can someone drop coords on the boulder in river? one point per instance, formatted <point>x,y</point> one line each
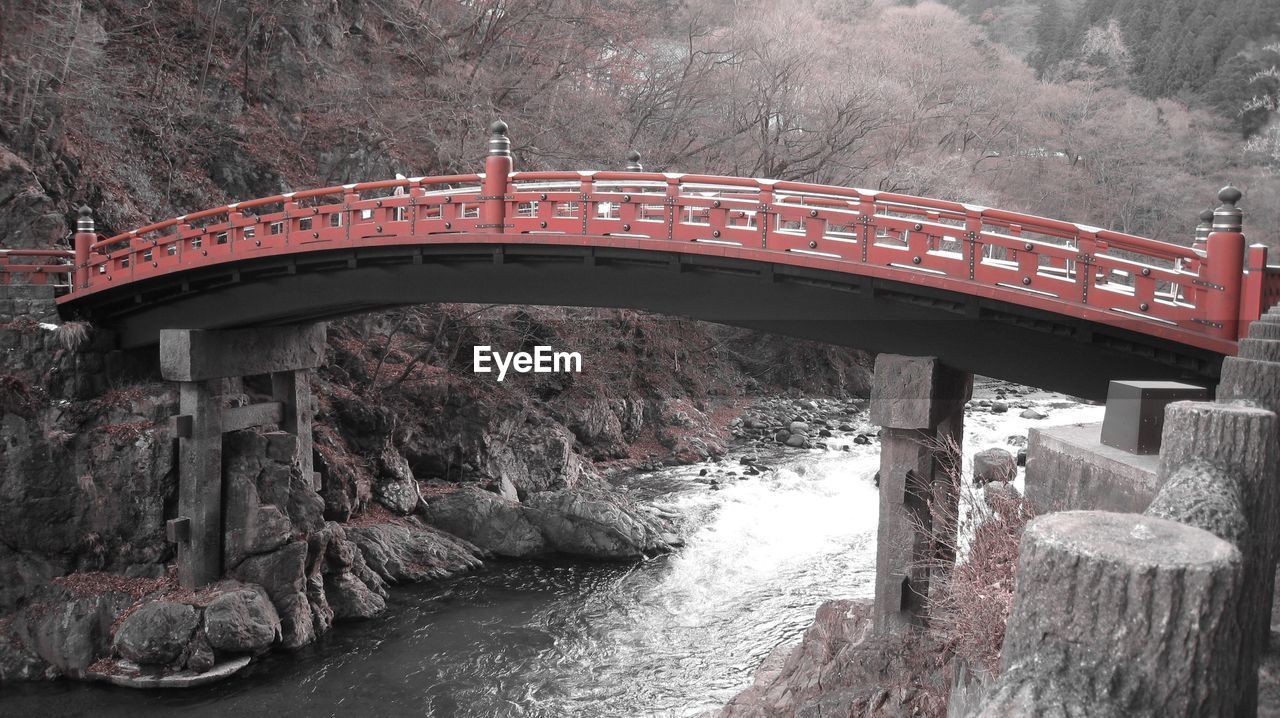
<point>1030,413</point>
<point>411,551</point>
<point>994,464</point>
<point>157,634</point>
<point>598,524</point>
<point>487,520</point>
<point>999,407</point>
<point>242,620</point>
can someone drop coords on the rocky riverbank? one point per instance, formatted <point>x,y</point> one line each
<point>841,667</point>
<point>425,472</point>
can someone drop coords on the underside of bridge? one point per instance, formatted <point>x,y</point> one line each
<point>969,333</point>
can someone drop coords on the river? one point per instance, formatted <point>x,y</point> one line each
<point>677,635</point>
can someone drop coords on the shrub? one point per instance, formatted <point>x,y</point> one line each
<point>73,336</point>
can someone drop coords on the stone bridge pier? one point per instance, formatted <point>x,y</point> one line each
<point>919,403</point>
<point>201,361</point>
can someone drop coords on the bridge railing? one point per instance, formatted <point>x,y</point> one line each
<point>36,266</point>
<point>1199,297</point>
<point>1040,260</point>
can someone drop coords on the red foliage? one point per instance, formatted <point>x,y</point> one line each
<point>125,432</point>
<point>376,515</point>
<point>94,583</point>
<point>970,612</point>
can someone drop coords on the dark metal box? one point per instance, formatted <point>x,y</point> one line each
<point>1135,412</point>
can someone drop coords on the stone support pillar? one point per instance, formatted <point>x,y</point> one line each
<point>201,361</point>
<point>920,405</point>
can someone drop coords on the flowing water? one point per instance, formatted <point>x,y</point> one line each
<point>677,635</point>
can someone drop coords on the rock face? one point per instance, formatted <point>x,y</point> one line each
<point>28,216</point>
<point>82,486</point>
<point>159,633</point>
<point>992,465</point>
<point>487,520</point>
<point>598,525</point>
<point>352,590</point>
<point>266,500</point>
<point>242,621</point>
<point>282,574</point>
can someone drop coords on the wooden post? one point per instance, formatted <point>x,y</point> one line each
<point>200,485</point>
<point>1117,614</point>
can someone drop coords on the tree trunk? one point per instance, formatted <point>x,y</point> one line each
<point>1241,442</point>
<point>1118,614</point>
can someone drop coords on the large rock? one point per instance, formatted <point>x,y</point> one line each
<point>17,661</point>
<point>242,620</point>
<point>282,574</point>
<point>992,465</point>
<point>841,667</point>
<point>68,633</point>
<point>350,598</point>
<point>346,485</point>
<point>598,524</point>
<point>159,633</point>
<point>410,551</point>
<point>597,424</point>
<point>493,523</point>
<point>400,497</point>
<point>341,585</point>
<point>257,475</point>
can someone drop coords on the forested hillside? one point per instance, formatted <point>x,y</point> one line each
<point>145,110</point>
<point>1221,55</point>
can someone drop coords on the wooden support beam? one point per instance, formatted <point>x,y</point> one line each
<point>251,415</point>
<point>198,355</point>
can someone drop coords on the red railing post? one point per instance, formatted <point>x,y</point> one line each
<point>1251,295</point>
<point>1202,231</point>
<point>1224,267</point>
<point>497,171</point>
<point>85,235</point>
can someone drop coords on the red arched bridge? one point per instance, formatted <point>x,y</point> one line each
<point>1046,302</point>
